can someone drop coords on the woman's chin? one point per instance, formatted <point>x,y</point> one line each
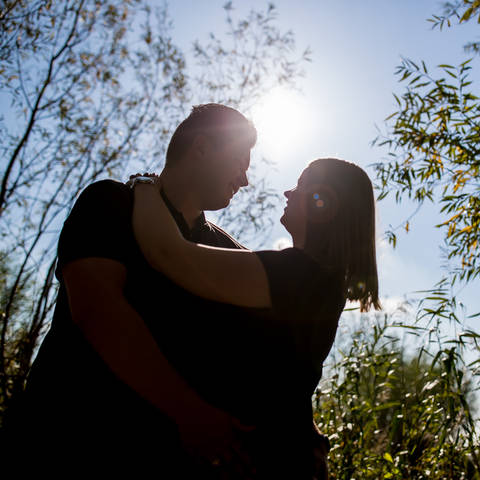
<point>283,221</point>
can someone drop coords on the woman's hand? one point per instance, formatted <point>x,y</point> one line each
<point>131,179</point>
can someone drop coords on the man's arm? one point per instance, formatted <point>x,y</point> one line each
<point>119,335</point>
<point>115,330</point>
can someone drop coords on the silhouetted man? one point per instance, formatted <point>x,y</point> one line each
<point>115,386</point>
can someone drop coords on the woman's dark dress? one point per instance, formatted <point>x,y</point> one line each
<point>276,361</point>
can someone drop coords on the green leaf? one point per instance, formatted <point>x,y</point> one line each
<point>467,14</point>
<point>385,406</point>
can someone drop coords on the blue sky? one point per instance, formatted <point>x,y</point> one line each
<point>347,92</point>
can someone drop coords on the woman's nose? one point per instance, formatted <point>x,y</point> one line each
<point>287,193</point>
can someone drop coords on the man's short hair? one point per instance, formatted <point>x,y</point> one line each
<point>219,122</point>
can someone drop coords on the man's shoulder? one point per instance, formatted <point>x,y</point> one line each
<point>102,203</point>
<point>105,194</point>
<point>99,224</point>
<point>107,187</point>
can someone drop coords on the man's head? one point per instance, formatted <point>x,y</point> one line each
<point>212,146</point>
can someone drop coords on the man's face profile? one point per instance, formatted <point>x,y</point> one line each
<point>224,169</point>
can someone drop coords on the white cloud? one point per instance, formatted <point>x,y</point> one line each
<point>281,243</point>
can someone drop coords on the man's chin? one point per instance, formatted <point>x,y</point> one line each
<point>214,206</point>
<point>225,203</point>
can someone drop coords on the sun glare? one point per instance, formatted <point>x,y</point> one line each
<point>282,119</point>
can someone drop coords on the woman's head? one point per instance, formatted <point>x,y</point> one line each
<point>331,214</point>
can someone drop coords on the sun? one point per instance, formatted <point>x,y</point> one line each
<point>283,119</point>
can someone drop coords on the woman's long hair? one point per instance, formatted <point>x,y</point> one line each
<point>341,225</point>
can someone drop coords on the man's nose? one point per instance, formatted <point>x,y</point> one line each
<point>286,193</point>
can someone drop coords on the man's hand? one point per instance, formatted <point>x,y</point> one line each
<point>212,436</point>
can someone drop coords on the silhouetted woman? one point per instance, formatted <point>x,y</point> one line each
<point>291,300</point>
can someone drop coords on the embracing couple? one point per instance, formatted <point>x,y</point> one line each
<point>175,352</point>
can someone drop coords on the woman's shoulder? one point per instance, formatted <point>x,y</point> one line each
<point>307,298</point>
<point>293,274</point>
<point>296,261</point>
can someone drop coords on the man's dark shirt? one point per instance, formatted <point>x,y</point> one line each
<point>70,389</point>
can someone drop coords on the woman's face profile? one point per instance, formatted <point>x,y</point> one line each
<point>311,202</point>
<point>294,218</point>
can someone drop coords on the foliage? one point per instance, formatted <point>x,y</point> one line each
<point>90,90</point>
<point>393,412</point>
<point>434,142</point>
<point>64,71</point>
<point>459,11</point>
<point>393,407</point>
<point>13,353</point>
<point>433,139</point>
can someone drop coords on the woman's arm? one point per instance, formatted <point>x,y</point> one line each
<point>220,274</point>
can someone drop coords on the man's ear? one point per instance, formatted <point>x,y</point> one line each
<point>200,145</point>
